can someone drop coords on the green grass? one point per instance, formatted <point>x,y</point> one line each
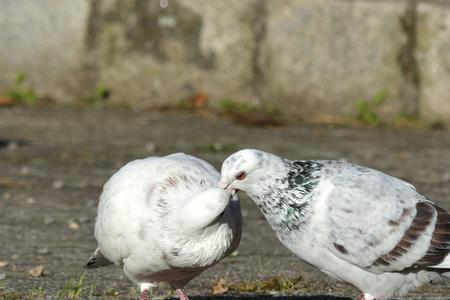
<point>35,293</point>
<point>21,92</point>
<point>228,105</point>
<point>72,289</point>
<point>10,295</point>
<point>367,109</point>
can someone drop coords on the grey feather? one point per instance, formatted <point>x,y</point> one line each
<point>354,223</point>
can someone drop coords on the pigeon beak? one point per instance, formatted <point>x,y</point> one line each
<point>223,185</point>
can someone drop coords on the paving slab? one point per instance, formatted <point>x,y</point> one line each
<point>54,161</point>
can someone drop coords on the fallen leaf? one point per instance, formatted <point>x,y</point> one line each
<point>220,287</point>
<point>3,263</point>
<point>6,101</point>
<point>37,271</point>
<point>74,225</point>
<point>199,100</point>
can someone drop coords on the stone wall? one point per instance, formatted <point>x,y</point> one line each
<point>309,58</point>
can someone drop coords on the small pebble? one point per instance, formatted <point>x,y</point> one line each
<point>31,200</point>
<point>2,276</point>
<point>57,184</point>
<point>6,196</point>
<point>3,263</point>
<point>150,148</point>
<point>49,220</point>
<point>74,225</point>
<point>25,170</point>
<point>15,256</point>
<point>43,251</point>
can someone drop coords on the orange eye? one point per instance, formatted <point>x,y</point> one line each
<point>241,175</point>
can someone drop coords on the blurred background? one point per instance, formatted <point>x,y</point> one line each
<point>311,60</point>
<point>87,85</point>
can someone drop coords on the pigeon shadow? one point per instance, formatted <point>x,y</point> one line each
<point>267,297</point>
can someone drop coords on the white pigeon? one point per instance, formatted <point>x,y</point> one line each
<point>163,219</point>
<point>353,223</point>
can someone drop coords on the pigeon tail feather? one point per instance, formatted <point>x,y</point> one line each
<point>97,260</point>
<point>445,264</point>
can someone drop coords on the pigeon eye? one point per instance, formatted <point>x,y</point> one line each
<point>241,175</point>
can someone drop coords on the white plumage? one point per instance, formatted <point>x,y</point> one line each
<point>164,219</point>
<point>353,223</point>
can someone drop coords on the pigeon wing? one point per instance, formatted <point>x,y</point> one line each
<point>381,223</point>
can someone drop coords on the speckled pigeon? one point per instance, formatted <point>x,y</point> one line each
<point>353,223</point>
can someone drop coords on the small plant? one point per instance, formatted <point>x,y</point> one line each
<point>72,289</point>
<point>100,94</point>
<point>367,110</point>
<point>21,93</point>
<point>229,106</point>
<point>35,294</point>
<point>246,107</point>
<point>272,110</point>
<point>9,295</point>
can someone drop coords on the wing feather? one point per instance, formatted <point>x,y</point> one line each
<point>381,223</point>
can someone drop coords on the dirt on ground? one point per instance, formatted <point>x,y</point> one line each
<point>55,160</point>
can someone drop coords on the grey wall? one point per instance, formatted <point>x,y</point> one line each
<point>310,58</point>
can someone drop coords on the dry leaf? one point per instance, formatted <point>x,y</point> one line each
<point>6,101</point>
<point>199,100</point>
<point>37,271</point>
<point>3,263</point>
<point>74,225</point>
<point>220,287</point>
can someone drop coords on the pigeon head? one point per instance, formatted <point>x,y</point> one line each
<point>246,169</point>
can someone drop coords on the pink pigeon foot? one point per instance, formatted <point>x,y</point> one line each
<point>144,295</point>
<point>182,295</point>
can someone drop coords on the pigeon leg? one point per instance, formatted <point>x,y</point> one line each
<point>144,295</point>
<point>145,290</point>
<point>182,295</point>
